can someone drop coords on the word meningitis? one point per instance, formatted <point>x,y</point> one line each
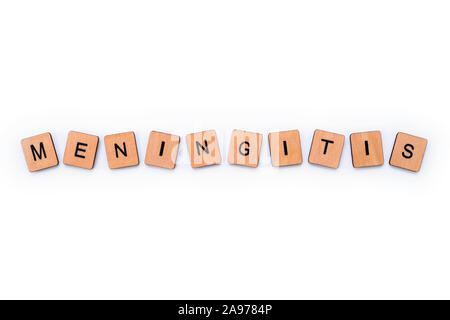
<point>285,149</point>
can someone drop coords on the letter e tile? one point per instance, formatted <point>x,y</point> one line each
<point>81,149</point>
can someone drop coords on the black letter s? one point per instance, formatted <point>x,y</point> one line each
<point>409,152</point>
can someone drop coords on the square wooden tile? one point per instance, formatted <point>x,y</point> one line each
<point>203,148</point>
<point>121,150</point>
<point>162,150</point>
<point>367,149</point>
<point>408,152</point>
<point>81,149</point>
<point>39,152</point>
<point>245,148</point>
<point>285,148</point>
<point>326,149</point>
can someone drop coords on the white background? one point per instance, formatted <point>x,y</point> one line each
<point>105,67</point>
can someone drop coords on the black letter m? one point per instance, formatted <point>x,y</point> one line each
<point>41,151</point>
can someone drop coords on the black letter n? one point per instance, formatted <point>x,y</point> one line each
<point>41,152</point>
<point>204,148</point>
<point>117,148</point>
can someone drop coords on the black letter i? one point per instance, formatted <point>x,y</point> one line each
<point>161,151</point>
<point>285,148</point>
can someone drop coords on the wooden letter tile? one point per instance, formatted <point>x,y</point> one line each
<point>81,149</point>
<point>203,148</point>
<point>367,149</point>
<point>285,148</point>
<point>121,150</point>
<point>162,150</point>
<point>408,152</point>
<point>326,149</point>
<point>39,152</point>
<point>244,148</point>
